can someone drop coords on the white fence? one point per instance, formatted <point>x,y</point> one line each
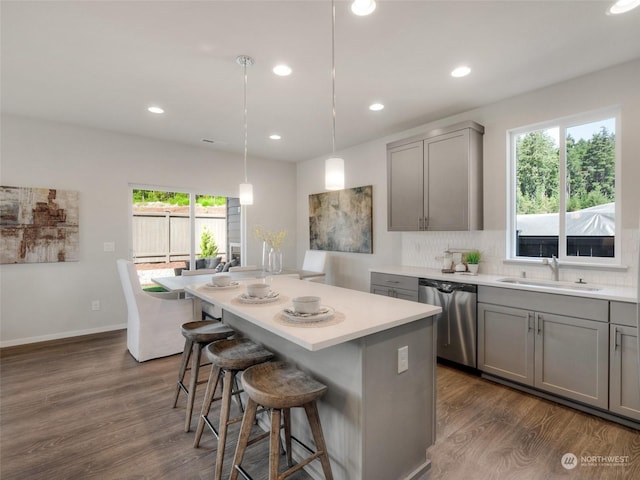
<point>164,236</point>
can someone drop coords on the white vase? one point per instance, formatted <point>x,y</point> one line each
<point>473,268</point>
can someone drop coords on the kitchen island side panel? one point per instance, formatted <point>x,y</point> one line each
<point>399,408</point>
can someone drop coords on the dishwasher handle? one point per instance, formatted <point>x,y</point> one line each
<point>448,287</point>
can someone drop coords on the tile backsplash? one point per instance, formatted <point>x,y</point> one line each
<point>424,249</point>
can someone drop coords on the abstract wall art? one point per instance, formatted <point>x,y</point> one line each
<point>341,221</point>
<point>38,225</point>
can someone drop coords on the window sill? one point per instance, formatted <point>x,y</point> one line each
<point>568,264</point>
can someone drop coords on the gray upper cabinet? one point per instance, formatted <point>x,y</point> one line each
<point>435,180</point>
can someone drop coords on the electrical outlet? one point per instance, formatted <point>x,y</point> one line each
<point>403,359</point>
<point>95,305</point>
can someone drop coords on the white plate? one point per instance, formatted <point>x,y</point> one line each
<point>325,313</point>
<point>246,298</point>
<point>217,287</point>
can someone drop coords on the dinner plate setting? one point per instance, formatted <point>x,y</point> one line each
<point>213,286</point>
<point>270,297</point>
<point>324,313</point>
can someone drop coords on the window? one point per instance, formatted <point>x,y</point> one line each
<point>171,227</point>
<point>567,166</point>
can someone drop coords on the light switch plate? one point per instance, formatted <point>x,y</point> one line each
<point>109,247</point>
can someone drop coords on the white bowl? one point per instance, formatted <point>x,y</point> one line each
<point>221,279</point>
<point>307,304</point>
<point>258,290</point>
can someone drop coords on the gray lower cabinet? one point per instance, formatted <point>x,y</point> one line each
<point>560,354</point>
<point>624,388</point>
<point>624,384</point>
<point>397,286</point>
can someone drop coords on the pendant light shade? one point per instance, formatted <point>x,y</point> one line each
<point>334,173</point>
<point>334,166</point>
<point>246,194</point>
<point>246,189</point>
<point>363,7</point>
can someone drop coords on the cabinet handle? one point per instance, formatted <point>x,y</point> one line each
<point>617,338</point>
<point>393,281</point>
<point>529,321</point>
<point>420,223</point>
<point>426,223</point>
<point>539,320</point>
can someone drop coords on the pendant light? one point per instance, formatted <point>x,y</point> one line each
<point>363,7</point>
<point>246,189</point>
<point>334,166</point>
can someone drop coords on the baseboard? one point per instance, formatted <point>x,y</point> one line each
<point>58,336</point>
<point>607,415</point>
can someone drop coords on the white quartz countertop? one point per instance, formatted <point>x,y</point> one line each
<point>605,292</point>
<point>357,314</point>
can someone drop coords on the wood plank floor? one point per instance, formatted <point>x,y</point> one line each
<point>83,408</point>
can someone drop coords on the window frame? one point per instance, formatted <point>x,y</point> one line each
<point>563,124</point>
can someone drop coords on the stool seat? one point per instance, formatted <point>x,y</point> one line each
<point>280,385</point>
<point>205,331</point>
<point>236,354</point>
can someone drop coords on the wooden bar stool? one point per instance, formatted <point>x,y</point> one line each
<point>196,335</point>
<point>228,357</point>
<point>280,387</point>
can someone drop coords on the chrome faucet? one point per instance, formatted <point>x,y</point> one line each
<point>553,265</point>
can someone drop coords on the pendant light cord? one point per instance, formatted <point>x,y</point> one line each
<point>333,72</point>
<point>245,122</point>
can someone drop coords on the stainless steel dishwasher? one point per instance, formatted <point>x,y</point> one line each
<point>457,324</point>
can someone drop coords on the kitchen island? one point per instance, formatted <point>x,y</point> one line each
<point>378,423</point>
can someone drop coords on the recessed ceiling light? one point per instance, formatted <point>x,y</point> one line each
<point>462,71</point>
<point>376,106</point>
<point>363,7</point>
<point>155,110</point>
<point>622,6</point>
<point>275,136</point>
<point>282,70</point>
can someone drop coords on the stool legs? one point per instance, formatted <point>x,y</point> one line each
<point>313,418</point>
<point>224,421</point>
<point>311,410</point>
<point>243,438</point>
<point>183,368</point>
<point>193,382</point>
<point>212,385</point>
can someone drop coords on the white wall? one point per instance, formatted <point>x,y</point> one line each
<point>366,165</point>
<point>53,300</point>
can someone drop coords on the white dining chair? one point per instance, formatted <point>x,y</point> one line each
<point>154,319</point>
<point>315,261</point>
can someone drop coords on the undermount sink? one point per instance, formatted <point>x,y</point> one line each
<point>542,283</point>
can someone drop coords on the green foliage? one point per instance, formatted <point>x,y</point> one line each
<point>176,198</point>
<point>472,257</point>
<point>590,172</point>
<point>208,245</point>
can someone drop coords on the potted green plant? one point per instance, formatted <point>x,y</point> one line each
<point>472,260</point>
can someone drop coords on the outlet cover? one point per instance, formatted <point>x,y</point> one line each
<point>403,359</point>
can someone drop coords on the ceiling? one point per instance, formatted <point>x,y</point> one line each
<point>102,63</point>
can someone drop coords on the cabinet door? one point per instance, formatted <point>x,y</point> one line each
<point>572,357</point>
<point>405,193</point>
<point>446,180</point>
<point>624,385</point>
<point>505,342</point>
